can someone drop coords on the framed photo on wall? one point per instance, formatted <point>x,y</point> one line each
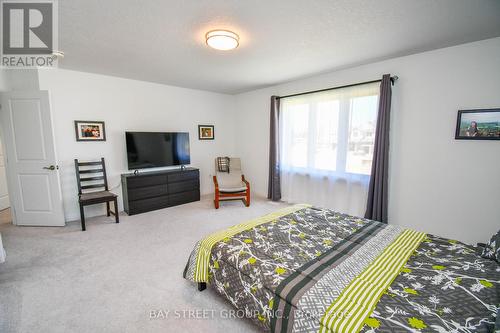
<point>90,130</point>
<point>206,132</point>
<point>479,124</point>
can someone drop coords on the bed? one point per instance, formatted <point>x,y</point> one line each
<point>308,269</point>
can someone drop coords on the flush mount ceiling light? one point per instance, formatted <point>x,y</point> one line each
<point>222,39</point>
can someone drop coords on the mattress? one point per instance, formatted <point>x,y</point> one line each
<point>308,269</point>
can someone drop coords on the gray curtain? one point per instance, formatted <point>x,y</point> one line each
<point>274,185</point>
<point>376,208</point>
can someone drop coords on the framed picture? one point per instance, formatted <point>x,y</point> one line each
<point>206,132</point>
<point>481,124</point>
<point>90,130</point>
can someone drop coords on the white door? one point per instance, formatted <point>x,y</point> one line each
<point>4,193</point>
<point>32,172</point>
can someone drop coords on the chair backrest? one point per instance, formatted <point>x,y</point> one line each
<point>91,176</point>
<point>234,165</point>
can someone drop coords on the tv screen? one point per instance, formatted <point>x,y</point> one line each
<point>156,149</point>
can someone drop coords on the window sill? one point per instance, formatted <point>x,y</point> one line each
<point>326,174</point>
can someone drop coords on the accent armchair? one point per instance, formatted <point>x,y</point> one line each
<point>230,184</point>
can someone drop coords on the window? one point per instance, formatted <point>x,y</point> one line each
<point>331,131</point>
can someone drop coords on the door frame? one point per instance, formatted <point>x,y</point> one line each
<point>5,158</point>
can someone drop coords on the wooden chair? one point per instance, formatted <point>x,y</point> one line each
<point>92,176</point>
<point>231,185</point>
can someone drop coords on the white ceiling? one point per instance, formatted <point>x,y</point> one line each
<point>280,40</point>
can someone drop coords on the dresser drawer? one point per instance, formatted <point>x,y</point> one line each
<point>183,197</point>
<point>145,205</point>
<point>188,185</point>
<point>142,181</point>
<point>184,175</point>
<point>147,192</point>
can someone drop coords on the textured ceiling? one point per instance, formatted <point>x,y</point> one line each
<point>163,41</point>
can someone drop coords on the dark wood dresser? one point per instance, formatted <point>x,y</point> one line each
<point>159,189</point>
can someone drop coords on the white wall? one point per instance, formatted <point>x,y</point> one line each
<point>131,105</point>
<point>18,79</point>
<point>437,184</point>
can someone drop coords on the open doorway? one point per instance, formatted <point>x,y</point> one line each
<point>5,213</point>
<point>5,216</point>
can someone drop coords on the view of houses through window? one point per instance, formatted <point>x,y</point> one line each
<point>331,131</point>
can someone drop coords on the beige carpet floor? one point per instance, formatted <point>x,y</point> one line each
<point>110,278</point>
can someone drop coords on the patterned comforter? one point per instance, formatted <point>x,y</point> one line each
<point>306,269</point>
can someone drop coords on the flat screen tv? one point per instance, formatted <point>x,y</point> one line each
<point>157,149</point>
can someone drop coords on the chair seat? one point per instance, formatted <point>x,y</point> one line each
<point>233,189</point>
<point>97,196</point>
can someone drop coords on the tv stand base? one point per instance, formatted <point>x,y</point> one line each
<point>149,191</point>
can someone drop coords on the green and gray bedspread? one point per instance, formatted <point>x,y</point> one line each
<point>306,269</point>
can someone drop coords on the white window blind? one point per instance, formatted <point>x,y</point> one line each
<point>330,131</point>
<point>329,137</point>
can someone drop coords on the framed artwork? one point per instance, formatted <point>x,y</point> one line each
<point>90,130</point>
<point>206,132</point>
<point>480,124</point>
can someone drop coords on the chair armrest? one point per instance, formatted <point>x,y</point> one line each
<point>216,183</point>
<point>245,181</point>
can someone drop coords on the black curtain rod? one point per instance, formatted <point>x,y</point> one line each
<point>393,79</point>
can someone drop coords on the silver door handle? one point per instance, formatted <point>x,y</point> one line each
<point>51,167</point>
